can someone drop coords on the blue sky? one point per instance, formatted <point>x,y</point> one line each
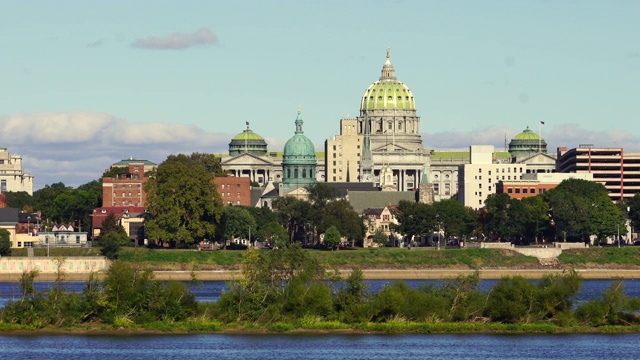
<point>87,83</point>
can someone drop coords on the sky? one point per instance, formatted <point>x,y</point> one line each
<point>85,83</point>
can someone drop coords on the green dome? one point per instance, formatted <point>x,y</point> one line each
<point>527,135</point>
<point>526,144</point>
<point>298,160</point>
<point>247,142</point>
<point>247,135</point>
<point>388,92</point>
<point>299,149</point>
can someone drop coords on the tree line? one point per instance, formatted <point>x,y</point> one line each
<point>184,208</point>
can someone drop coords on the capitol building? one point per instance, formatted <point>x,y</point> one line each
<point>381,147</point>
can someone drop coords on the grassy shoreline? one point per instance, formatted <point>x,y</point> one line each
<point>317,328</point>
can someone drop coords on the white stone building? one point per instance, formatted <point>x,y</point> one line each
<point>12,175</point>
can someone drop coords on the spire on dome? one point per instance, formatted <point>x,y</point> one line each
<point>299,122</point>
<point>388,73</point>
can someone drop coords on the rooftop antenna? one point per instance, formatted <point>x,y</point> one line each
<point>246,135</point>
<point>540,137</point>
<point>505,141</point>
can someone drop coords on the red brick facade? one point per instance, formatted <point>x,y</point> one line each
<point>234,190</point>
<point>125,190</point>
<point>521,189</point>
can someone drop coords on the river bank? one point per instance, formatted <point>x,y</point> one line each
<point>369,274</point>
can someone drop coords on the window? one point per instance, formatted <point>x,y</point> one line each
<point>509,190</point>
<point>3,186</point>
<point>533,190</point>
<point>447,189</point>
<point>334,155</point>
<point>479,186</point>
<point>238,194</point>
<point>489,180</point>
<point>77,239</point>
<point>385,217</point>
<point>390,126</point>
<point>238,186</point>
<point>228,194</point>
<point>136,168</point>
<point>525,190</point>
<point>517,190</point>
<point>489,172</point>
<point>480,170</point>
<point>436,189</point>
<point>489,188</point>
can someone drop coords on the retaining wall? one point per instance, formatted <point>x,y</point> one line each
<point>71,265</point>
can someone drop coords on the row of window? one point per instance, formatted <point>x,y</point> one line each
<point>515,170</point>
<point>229,186</point>
<point>124,203</point>
<point>228,194</point>
<point>523,190</point>
<point>125,186</point>
<point>124,194</point>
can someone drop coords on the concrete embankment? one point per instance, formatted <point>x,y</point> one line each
<point>378,274</point>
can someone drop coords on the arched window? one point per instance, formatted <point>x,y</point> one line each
<point>295,173</point>
<point>304,173</point>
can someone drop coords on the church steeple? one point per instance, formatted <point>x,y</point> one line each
<point>366,159</point>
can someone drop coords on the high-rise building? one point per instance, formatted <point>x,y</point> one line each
<point>617,170</point>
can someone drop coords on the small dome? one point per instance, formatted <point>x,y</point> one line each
<point>526,144</point>
<point>247,135</point>
<point>527,135</point>
<point>247,142</point>
<point>299,149</point>
<point>388,92</point>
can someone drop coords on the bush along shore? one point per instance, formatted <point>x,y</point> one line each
<point>287,289</point>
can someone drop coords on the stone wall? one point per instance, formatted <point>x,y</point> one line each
<point>72,264</point>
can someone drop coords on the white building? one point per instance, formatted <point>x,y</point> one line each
<point>12,176</point>
<point>478,179</point>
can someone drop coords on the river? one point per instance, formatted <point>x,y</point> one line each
<point>319,346</point>
<point>295,347</point>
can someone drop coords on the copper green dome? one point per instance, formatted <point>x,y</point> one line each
<point>388,92</point>
<point>526,144</point>
<point>299,159</point>
<point>527,135</point>
<point>299,149</point>
<point>247,142</point>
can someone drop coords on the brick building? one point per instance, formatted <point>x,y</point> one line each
<point>234,190</point>
<point>534,184</point>
<point>124,184</point>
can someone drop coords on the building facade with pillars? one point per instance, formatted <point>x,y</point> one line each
<point>12,175</point>
<point>385,135</point>
<point>248,156</point>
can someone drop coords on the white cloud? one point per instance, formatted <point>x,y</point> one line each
<point>77,147</point>
<point>177,41</point>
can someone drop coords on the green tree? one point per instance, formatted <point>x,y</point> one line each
<point>519,219</point>
<point>380,237</point>
<point>495,220</point>
<point>295,215</point>
<point>110,245</point>
<point>332,238</point>
<point>340,214</point>
<point>454,218</point>
<point>538,217</point>
<point>237,222</point>
<point>19,200</point>
<point>634,211</point>
<point>415,219</point>
<point>5,242</point>
<point>583,208</point>
<point>183,206</point>
<point>272,233</point>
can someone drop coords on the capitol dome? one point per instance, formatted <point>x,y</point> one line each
<point>247,142</point>
<point>299,158</point>
<point>388,92</point>
<point>526,144</point>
